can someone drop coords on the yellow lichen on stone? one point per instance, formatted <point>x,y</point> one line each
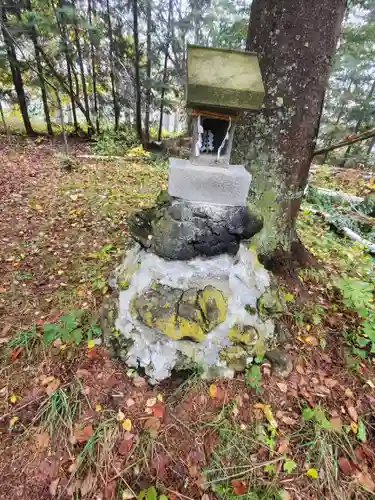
<point>247,335</point>
<point>182,328</point>
<point>213,305</point>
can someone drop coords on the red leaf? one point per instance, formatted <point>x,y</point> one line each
<point>346,466</point>
<point>239,487</point>
<point>109,491</point>
<point>158,410</point>
<point>93,353</point>
<point>83,435</point>
<point>126,445</point>
<point>15,353</point>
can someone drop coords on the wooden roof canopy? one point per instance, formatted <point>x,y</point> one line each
<point>223,80</point>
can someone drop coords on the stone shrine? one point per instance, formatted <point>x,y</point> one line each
<point>192,292</point>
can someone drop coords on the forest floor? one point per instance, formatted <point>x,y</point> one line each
<point>76,424</point>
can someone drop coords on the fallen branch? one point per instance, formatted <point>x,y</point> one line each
<point>340,194</point>
<point>351,140</point>
<point>110,158</point>
<point>349,233</point>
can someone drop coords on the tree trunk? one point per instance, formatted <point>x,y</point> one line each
<point>3,118</point>
<point>91,9</point>
<point>43,89</point>
<point>165,73</point>
<point>148,73</point>
<point>16,72</point>
<point>138,114</point>
<point>116,107</point>
<point>82,72</point>
<point>295,41</point>
<point>68,60</point>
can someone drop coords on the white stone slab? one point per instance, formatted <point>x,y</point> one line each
<point>222,185</point>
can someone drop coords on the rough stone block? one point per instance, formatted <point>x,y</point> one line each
<point>224,185</point>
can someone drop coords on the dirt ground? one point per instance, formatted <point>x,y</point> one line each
<point>76,424</point>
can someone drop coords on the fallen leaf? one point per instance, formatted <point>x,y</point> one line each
<point>283,387</point>
<point>47,380</point>
<point>289,421</point>
<point>284,495</point>
<point>312,340</point>
<point>330,382</point>
<point>267,413</point>
<point>4,340</point>
<point>98,407</point>
<point>150,402</point>
<point>152,424</point>
<point>53,386</point>
<point>109,491</point>
<point>349,393</point>
<point>160,397</point>
<point>88,484</point>
<point>15,353</point>
<point>93,353</point>
<point>127,424</point>
<point>126,444</point>
<point>335,424</point>
<point>13,398</point>
<point>346,466</point>
<point>139,381</point>
<point>239,487</point>
<point>12,421</point>
<point>158,410</point>
<point>313,473</point>
<point>212,391</point>
<point>127,495</point>
<point>42,440</point>
<point>53,487</point>
<point>83,435</point>
<point>283,446</point>
<point>365,480</point>
<point>300,369</point>
<point>130,402</point>
<point>90,344</point>
<point>120,416</point>
<point>205,497</point>
<point>354,427</point>
<point>352,413</point>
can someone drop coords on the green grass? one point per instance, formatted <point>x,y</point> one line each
<point>25,340</point>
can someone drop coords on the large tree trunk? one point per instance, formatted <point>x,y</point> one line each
<point>295,41</point>
<point>16,72</point>
<point>165,71</point>
<point>148,73</point>
<point>138,114</point>
<point>43,89</point>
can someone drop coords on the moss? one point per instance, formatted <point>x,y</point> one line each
<point>235,357</point>
<point>250,309</point>
<point>123,285</point>
<point>246,335</point>
<point>271,303</point>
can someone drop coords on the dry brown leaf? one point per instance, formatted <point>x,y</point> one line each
<point>126,444</point>
<point>42,440</point>
<point>311,340</point>
<point>158,410</point>
<point>352,413</point>
<point>53,386</point>
<point>152,424</point>
<point>4,340</point>
<point>336,424</point>
<point>130,402</point>
<point>88,484</point>
<point>300,369</point>
<point>322,389</point>
<point>139,381</point>
<point>330,382</point>
<point>53,487</point>
<point>283,387</point>
<point>365,480</point>
<point>151,402</point>
<point>83,435</point>
<point>46,380</point>
<point>346,466</point>
<point>283,446</point>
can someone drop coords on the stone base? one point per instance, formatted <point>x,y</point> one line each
<point>205,312</point>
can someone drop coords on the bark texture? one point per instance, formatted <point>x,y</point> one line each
<point>295,41</point>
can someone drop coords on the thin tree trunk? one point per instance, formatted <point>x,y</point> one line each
<point>148,72</point>
<point>116,107</point>
<point>138,115</point>
<point>360,121</point>
<point>16,72</point>
<point>370,146</point>
<point>3,118</point>
<point>34,38</point>
<point>165,69</point>
<point>277,143</point>
<point>82,71</point>
<point>68,60</point>
<point>91,8</point>
<point>62,124</point>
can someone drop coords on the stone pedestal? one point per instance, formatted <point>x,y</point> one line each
<point>205,312</point>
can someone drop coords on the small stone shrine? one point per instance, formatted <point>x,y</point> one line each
<point>191,292</point>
